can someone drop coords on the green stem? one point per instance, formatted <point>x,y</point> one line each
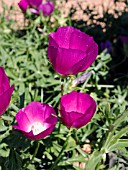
<point>62,151</point>
<point>36,150</point>
<point>5,134</point>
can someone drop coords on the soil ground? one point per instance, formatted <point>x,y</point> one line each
<point>100,5</point>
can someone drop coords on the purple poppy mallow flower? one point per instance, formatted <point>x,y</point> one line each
<point>124,39</point>
<point>36,120</point>
<point>76,109</point>
<point>5,91</point>
<point>46,8</point>
<point>36,6</point>
<point>23,4</point>
<point>71,51</point>
<point>106,45</point>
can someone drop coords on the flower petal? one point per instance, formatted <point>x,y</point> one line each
<point>4,81</point>
<point>84,63</point>
<point>47,8</point>
<point>23,122</point>
<point>34,3</point>
<point>65,59</point>
<point>76,109</point>
<point>5,99</point>
<point>23,4</point>
<point>80,41</point>
<point>85,118</point>
<point>38,112</point>
<point>62,36</point>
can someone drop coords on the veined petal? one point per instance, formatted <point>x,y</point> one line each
<point>23,122</point>
<point>62,36</point>
<point>65,59</point>
<point>77,109</point>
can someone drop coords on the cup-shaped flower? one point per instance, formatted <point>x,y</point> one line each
<point>5,91</point>
<point>36,120</point>
<point>71,51</point>
<point>76,109</point>
<point>23,4</point>
<point>46,8</point>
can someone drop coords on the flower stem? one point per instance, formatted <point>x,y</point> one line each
<point>62,151</point>
<point>36,150</point>
<point>62,87</point>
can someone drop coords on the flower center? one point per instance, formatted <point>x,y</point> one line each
<point>37,128</point>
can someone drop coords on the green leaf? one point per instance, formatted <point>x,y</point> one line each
<point>14,161</point>
<point>121,143</point>
<point>94,159</point>
<point>111,139</point>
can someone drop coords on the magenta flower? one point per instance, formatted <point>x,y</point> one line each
<point>47,8</point>
<point>71,51</point>
<point>23,4</point>
<point>36,120</point>
<point>5,91</point>
<point>36,6</point>
<point>76,109</point>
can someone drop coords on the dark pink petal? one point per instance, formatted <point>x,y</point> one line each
<point>23,4</point>
<point>76,109</point>
<point>65,59</point>
<point>80,41</point>
<point>37,112</point>
<point>62,36</point>
<point>68,118</point>
<point>85,118</point>
<point>23,122</point>
<point>34,3</point>
<point>53,55</point>
<point>75,101</point>
<point>52,42</point>
<point>4,81</point>
<point>5,98</point>
<point>85,62</point>
<point>46,8</point>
